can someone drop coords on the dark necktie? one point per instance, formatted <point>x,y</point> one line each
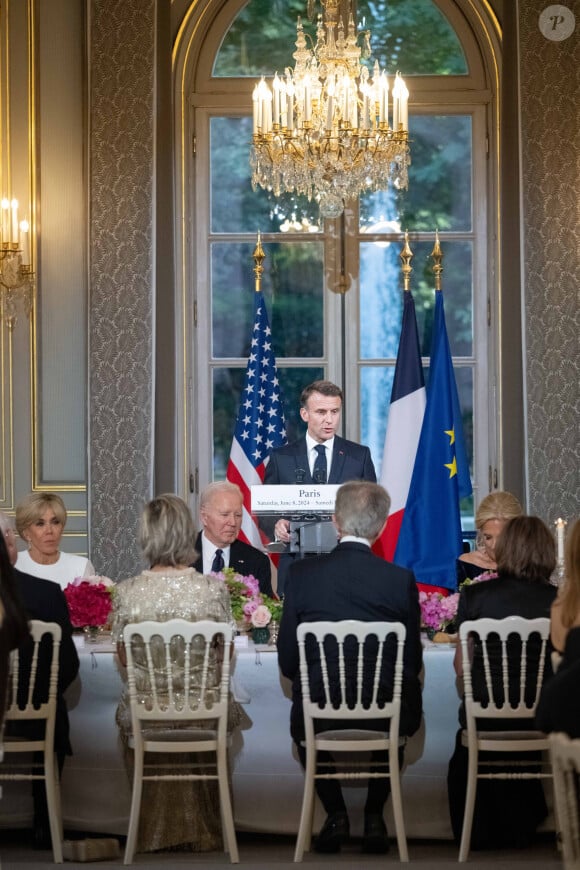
<point>218,562</point>
<point>319,470</point>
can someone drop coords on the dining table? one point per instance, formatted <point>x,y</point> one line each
<point>267,778</point>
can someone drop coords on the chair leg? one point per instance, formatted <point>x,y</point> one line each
<point>229,832</point>
<point>135,806</point>
<point>307,812</point>
<point>469,804</point>
<point>51,785</point>
<point>395,777</point>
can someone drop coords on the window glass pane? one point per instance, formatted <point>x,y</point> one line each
<point>376,385</point>
<point>380,292</point>
<point>439,192</point>
<point>408,35</point>
<point>292,285</point>
<point>235,207</point>
<point>412,36</point>
<point>227,389</point>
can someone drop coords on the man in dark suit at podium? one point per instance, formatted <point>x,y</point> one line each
<point>320,456</point>
<point>221,512</point>
<point>352,583</point>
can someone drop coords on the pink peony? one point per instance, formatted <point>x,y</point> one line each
<point>261,616</point>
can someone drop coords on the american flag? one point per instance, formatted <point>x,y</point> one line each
<point>260,426</point>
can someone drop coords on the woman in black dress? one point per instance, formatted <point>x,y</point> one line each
<point>507,812</point>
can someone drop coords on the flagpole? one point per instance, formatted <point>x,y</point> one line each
<point>406,256</point>
<point>437,255</point>
<point>259,257</point>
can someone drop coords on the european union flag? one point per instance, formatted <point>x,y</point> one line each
<point>430,539</point>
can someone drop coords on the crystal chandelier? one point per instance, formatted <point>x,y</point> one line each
<point>16,277</point>
<point>322,129</point>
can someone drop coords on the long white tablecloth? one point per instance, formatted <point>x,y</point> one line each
<point>267,777</point>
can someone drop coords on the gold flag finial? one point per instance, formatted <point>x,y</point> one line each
<point>259,257</point>
<point>406,256</point>
<point>437,255</point>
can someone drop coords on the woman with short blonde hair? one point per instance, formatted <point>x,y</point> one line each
<point>494,511</point>
<point>40,521</point>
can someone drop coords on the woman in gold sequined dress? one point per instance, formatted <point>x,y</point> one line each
<point>174,815</point>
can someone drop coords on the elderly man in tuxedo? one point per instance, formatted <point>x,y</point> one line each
<point>320,456</point>
<point>221,512</point>
<point>44,600</point>
<point>352,583</point>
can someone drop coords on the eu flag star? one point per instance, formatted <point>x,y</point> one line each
<point>451,433</point>
<point>452,466</point>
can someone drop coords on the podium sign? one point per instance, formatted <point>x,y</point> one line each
<point>309,507</point>
<point>289,500</point>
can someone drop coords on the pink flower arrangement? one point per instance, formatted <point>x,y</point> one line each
<point>248,604</point>
<point>437,610</point>
<point>89,600</point>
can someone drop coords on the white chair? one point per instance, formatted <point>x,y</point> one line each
<point>565,757</point>
<point>324,642</point>
<point>512,655</point>
<point>30,699</point>
<point>176,663</point>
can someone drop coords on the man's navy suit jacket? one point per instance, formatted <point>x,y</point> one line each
<point>352,583</point>
<point>289,465</point>
<point>350,461</point>
<point>244,559</point>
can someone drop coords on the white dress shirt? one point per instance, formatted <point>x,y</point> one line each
<point>311,446</point>
<point>208,551</point>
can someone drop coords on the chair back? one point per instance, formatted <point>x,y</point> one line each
<point>565,758</point>
<point>178,670</point>
<point>503,666</point>
<point>351,669</point>
<point>33,676</point>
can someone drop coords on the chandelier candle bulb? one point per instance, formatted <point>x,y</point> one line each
<point>24,227</point>
<point>5,221</point>
<point>560,533</point>
<point>14,209</point>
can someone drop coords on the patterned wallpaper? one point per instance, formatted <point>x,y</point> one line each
<point>550,139</point>
<point>121,246</point>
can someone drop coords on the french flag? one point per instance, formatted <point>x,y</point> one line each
<point>404,424</point>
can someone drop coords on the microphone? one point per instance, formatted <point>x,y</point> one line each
<point>299,475</point>
<point>319,476</point>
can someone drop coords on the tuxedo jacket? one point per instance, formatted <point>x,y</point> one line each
<point>350,461</point>
<point>244,559</point>
<point>44,600</point>
<point>352,583</point>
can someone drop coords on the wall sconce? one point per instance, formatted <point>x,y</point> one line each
<point>16,276</point>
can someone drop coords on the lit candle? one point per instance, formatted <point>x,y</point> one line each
<point>404,107</point>
<point>255,99</point>
<point>383,97</point>
<point>283,105</point>
<point>307,98</point>
<point>290,103</point>
<point>397,103</point>
<point>263,91</point>
<point>14,234</point>
<point>24,227</point>
<point>276,88</point>
<point>5,221</point>
<point>560,529</point>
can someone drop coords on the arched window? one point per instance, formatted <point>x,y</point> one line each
<point>334,288</point>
